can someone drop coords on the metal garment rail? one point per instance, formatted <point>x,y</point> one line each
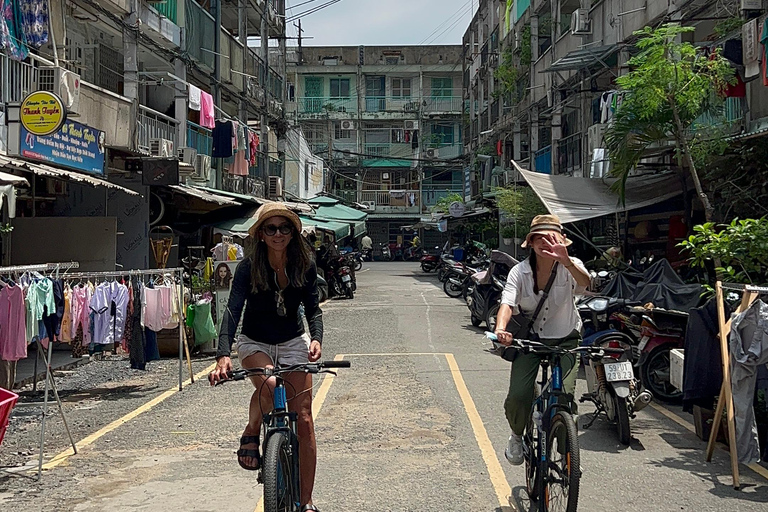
<point>744,288</point>
<point>159,272</point>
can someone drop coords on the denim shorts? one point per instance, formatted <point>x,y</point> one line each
<point>287,353</point>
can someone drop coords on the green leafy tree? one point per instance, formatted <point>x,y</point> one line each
<point>670,86</point>
<point>442,204</point>
<point>522,204</point>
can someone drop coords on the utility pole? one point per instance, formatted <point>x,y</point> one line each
<point>217,81</point>
<point>264,35</point>
<point>301,49</point>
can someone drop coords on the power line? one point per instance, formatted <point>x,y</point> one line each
<point>460,11</point>
<point>311,11</point>
<point>458,20</point>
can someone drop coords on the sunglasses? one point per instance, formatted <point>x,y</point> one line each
<point>271,229</point>
<point>280,303</point>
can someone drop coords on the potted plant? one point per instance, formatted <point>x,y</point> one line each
<point>508,235</point>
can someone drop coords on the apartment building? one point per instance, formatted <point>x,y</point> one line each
<point>563,57</point>
<point>387,120</point>
<point>132,73</point>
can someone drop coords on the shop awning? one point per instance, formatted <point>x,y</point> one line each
<point>12,179</point>
<point>208,197</point>
<point>386,162</point>
<point>60,174</point>
<point>340,229</point>
<point>233,195</point>
<point>583,57</point>
<point>574,199</point>
<point>240,226</point>
<point>329,209</point>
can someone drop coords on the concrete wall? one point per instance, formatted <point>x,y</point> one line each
<point>376,55</point>
<point>108,112</point>
<point>303,170</point>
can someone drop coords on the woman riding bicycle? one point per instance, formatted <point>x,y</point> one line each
<point>276,277</point>
<point>558,322</point>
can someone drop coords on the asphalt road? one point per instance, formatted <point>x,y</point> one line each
<point>416,424</point>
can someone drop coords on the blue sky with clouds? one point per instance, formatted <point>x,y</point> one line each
<point>381,22</point>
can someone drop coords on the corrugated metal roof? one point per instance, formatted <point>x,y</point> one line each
<point>206,196</point>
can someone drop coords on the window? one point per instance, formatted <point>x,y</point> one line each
<point>401,88</point>
<point>339,87</point>
<point>442,134</point>
<point>442,87</point>
<point>341,134</point>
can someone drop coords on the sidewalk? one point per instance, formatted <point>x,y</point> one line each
<point>61,359</point>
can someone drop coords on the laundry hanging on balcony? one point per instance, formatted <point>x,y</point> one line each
<point>34,15</point>
<point>207,114</point>
<point>222,139</point>
<point>12,39</point>
<point>194,97</point>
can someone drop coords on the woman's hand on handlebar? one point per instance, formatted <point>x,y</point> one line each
<point>315,351</point>
<point>504,337</point>
<point>223,367</point>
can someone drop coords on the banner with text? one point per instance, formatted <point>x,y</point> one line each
<point>75,146</point>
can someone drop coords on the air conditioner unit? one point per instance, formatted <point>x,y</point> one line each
<point>580,22</point>
<point>275,187</point>
<point>371,205</point>
<point>62,82</point>
<point>202,168</point>
<point>348,125</point>
<point>432,153</point>
<point>751,5</point>
<point>188,155</point>
<point>411,125</point>
<point>161,147</point>
<point>595,137</point>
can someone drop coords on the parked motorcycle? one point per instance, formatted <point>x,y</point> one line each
<point>386,253</point>
<point>341,281</point>
<point>357,257</point>
<point>459,282</point>
<point>611,383</point>
<point>322,289</point>
<point>429,262</point>
<point>484,301</point>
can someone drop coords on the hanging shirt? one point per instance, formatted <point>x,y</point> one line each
<point>222,140</point>
<point>34,24</point>
<point>108,305</point>
<point>194,98</point>
<point>254,143</point>
<point>207,114</point>
<point>13,340</point>
<point>12,38</point>
<point>81,309</point>
<point>66,319</point>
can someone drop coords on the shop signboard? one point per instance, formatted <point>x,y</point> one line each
<point>223,274</point>
<point>74,146</point>
<point>456,209</point>
<point>42,113</point>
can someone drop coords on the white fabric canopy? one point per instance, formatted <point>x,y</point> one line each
<point>574,199</point>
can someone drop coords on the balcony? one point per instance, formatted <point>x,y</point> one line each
<point>393,104</point>
<point>393,201</point>
<point>154,125</point>
<point>731,122</point>
<point>165,8</point>
<point>17,79</point>
<point>199,29</point>
<point>444,104</point>
<point>431,194</point>
<point>387,150</point>
<point>158,22</point>
<point>447,151</point>
<point>199,138</point>
<point>569,154</point>
<point>542,160</point>
<point>327,106</point>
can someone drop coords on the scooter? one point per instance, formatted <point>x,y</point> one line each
<point>386,254</point>
<point>429,262</point>
<point>459,282</point>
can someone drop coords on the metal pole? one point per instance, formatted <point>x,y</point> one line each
<point>63,418</point>
<point>45,407</point>
<point>181,326</point>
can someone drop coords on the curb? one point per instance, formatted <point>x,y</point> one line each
<point>41,376</point>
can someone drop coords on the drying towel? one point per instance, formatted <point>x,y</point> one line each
<point>194,98</point>
<point>207,115</point>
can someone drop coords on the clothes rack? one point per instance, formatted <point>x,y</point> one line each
<point>49,380</point>
<point>749,293</point>
<point>176,272</point>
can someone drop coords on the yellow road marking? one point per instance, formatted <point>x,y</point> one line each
<point>498,479</point>
<point>317,404</point>
<point>757,468</point>
<point>66,454</point>
<point>399,354</point>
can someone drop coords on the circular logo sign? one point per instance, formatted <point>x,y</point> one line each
<point>456,209</point>
<point>42,113</point>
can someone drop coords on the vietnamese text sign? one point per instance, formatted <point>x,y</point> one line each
<point>75,146</point>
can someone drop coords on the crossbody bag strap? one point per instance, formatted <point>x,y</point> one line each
<point>546,292</point>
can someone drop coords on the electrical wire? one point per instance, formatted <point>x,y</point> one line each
<point>460,12</point>
<point>311,11</point>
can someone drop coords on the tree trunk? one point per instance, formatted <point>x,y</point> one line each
<point>682,144</point>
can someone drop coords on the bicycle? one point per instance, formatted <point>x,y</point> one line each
<point>550,439</point>
<point>279,470</point>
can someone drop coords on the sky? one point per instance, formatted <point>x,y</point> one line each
<point>383,22</point>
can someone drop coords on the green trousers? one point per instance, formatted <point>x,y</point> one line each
<point>522,379</point>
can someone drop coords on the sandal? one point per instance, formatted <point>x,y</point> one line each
<point>308,508</point>
<point>242,452</point>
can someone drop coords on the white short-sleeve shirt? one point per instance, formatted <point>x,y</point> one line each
<point>559,317</point>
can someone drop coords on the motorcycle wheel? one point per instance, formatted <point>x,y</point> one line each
<point>476,321</point>
<point>426,267</point>
<point>655,375</point>
<point>337,291</point>
<point>350,293</point>
<point>622,419</point>
<point>452,290</point>
<point>358,265</point>
<point>490,320</point>
<point>441,273</point>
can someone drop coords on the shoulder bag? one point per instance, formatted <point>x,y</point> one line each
<point>520,326</point>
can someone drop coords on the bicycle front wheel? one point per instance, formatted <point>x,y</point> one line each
<point>564,470</point>
<point>279,492</point>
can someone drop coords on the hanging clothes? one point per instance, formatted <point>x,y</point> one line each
<point>138,342</point>
<point>415,140</point>
<point>12,38</point>
<point>9,191</point>
<point>172,297</point>
<point>128,329</point>
<point>207,111</point>
<point>235,130</point>
<point>242,141</point>
<point>254,143</point>
<point>81,304</point>
<point>66,319</point>
<point>151,351</point>
<point>39,302</point>
<point>156,307</point>
<point>34,15</point>
<point>222,140</point>
<point>749,36</point>
<point>13,328</point>
<point>764,57</point>
<point>52,321</point>
<point>703,367</point>
<point>194,98</point>
<point>200,319</point>
<point>749,349</point>
<point>108,304</point>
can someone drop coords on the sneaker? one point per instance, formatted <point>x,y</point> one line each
<point>514,451</point>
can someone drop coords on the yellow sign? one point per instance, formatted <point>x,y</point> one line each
<point>42,113</point>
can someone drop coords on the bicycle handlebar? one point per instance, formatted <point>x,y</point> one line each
<point>536,347</point>
<point>313,368</point>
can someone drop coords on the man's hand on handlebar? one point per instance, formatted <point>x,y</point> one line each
<point>220,373</point>
<point>504,337</point>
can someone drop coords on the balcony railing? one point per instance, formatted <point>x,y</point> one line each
<point>569,153</point>
<point>542,160</point>
<point>431,194</point>
<point>17,79</point>
<point>199,138</point>
<point>154,125</point>
<point>391,104</point>
<point>350,196</point>
<point>329,105</point>
<point>387,150</point>
<point>165,7</point>
<point>394,198</point>
<point>443,104</point>
<point>200,27</point>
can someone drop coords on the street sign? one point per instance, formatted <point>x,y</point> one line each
<point>456,209</point>
<point>42,113</point>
